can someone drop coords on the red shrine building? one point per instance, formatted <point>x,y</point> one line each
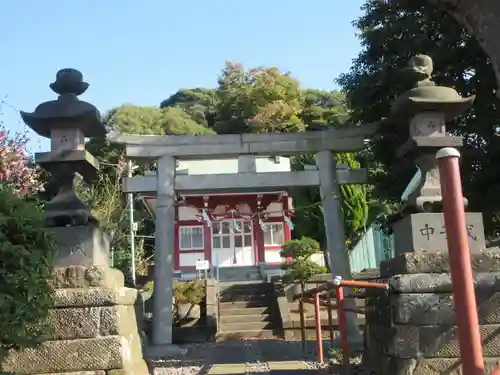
<point>230,229</point>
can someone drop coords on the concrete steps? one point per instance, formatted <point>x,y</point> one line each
<point>247,334</point>
<point>243,318</point>
<point>247,310</point>
<point>238,305</point>
<point>249,326</point>
<point>243,310</point>
<point>242,273</point>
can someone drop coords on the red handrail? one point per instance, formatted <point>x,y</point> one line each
<point>338,284</point>
<point>471,351</point>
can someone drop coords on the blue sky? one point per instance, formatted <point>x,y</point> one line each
<point>142,52</point>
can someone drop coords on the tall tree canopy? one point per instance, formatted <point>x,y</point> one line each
<point>198,103</point>
<point>258,100</point>
<point>390,35</point>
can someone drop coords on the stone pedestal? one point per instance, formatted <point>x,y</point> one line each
<point>94,328</point>
<point>426,232</point>
<point>86,245</point>
<point>412,329</point>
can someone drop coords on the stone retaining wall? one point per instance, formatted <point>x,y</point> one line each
<point>412,329</point>
<point>212,308</point>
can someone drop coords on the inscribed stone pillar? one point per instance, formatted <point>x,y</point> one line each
<point>164,252</point>
<point>335,233</point>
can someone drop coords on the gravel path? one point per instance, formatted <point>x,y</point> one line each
<point>253,353</point>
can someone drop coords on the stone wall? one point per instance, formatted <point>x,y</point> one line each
<point>412,329</point>
<point>212,308</point>
<point>94,329</point>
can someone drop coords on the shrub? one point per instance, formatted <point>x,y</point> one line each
<point>189,292</point>
<point>301,268</point>
<point>184,292</point>
<point>148,287</point>
<point>27,254</point>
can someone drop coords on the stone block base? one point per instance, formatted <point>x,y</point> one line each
<point>87,277</point>
<point>105,354</point>
<point>411,330</point>
<point>427,366</point>
<point>428,341</point>
<point>428,262</point>
<point>94,331</point>
<point>139,368</point>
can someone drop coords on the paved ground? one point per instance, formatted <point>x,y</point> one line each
<point>266,367</point>
<point>275,357</point>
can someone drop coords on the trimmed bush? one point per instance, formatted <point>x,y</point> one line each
<point>301,268</point>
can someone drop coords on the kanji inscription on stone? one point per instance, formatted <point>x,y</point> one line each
<point>427,232</point>
<point>468,227</point>
<point>85,246</point>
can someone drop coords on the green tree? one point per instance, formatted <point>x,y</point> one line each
<point>176,120</point>
<point>301,268</point>
<point>150,120</point>
<point>109,207</point>
<point>328,109</point>
<point>354,203</point>
<point>390,35</point>
<point>198,103</point>
<point>258,100</point>
<point>323,108</point>
<point>27,250</point>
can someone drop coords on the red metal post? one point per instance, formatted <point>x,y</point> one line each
<point>330,317</point>
<point>302,325</point>
<point>319,338</point>
<point>344,344</point>
<point>471,352</point>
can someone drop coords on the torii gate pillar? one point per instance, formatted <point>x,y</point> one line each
<point>164,254</point>
<point>338,258</point>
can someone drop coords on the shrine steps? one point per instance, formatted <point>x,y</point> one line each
<point>242,273</point>
<point>248,310</point>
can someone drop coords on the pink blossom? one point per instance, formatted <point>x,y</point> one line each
<point>14,168</point>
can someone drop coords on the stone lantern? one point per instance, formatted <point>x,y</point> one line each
<point>412,327</point>
<point>67,121</point>
<point>425,109</point>
<point>94,326</point>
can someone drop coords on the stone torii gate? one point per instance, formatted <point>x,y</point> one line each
<point>165,150</point>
